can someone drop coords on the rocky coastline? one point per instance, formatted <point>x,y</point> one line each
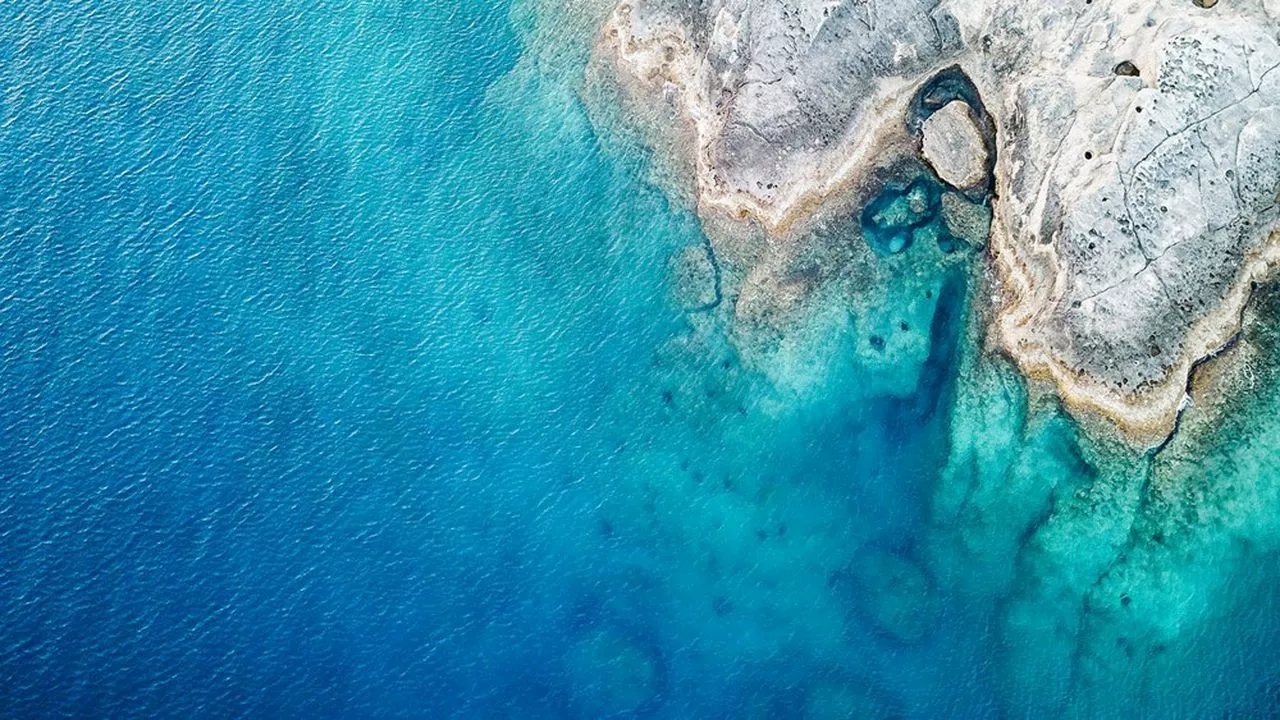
<point>1127,155</point>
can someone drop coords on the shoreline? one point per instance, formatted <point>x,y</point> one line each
<point>791,209</point>
<point>1030,278</point>
<point>1149,417</point>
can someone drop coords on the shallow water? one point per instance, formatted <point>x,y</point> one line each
<point>342,376</point>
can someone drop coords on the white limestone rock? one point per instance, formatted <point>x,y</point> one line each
<point>954,147</point>
<point>1129,250</point>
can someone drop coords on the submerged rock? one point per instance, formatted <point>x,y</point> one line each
<point>966,220</point>
<point>900,215</point>
<point>1132,209</point>
<point>695,283</point>
<point>609,674</point>
<point>891,592</point>
<point>845,698</point>
<point>954,147</point>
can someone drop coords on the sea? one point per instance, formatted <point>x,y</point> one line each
<point>344,373</point>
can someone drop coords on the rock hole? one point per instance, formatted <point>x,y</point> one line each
<point>1127,69</point>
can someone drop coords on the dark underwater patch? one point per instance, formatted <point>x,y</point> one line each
<point>904,213</point>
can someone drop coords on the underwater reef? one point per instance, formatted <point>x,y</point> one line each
<point>1040,236</point>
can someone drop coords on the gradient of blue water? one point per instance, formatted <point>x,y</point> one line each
<point>262,445</point>
<point>305,358</point>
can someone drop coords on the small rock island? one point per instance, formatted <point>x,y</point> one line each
<point>1127,155</point>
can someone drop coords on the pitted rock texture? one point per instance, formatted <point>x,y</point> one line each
<point>1132,212</point>
<point>1136,212</point>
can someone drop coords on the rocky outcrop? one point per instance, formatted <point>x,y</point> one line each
<point>953,146</point>
<point>1130,247</point>
<point>1135,172</point>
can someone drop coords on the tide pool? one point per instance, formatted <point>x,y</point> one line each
<point>347,371</point>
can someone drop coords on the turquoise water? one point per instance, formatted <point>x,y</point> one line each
<point>904,212</point>
<point>343,375</point>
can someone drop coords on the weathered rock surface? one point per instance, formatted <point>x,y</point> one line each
<point>966,220</point>
<point>1132,213</point>
<point>954,147</point>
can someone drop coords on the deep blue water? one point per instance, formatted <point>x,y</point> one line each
<point>294,381</point>
<point>341,378</point>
